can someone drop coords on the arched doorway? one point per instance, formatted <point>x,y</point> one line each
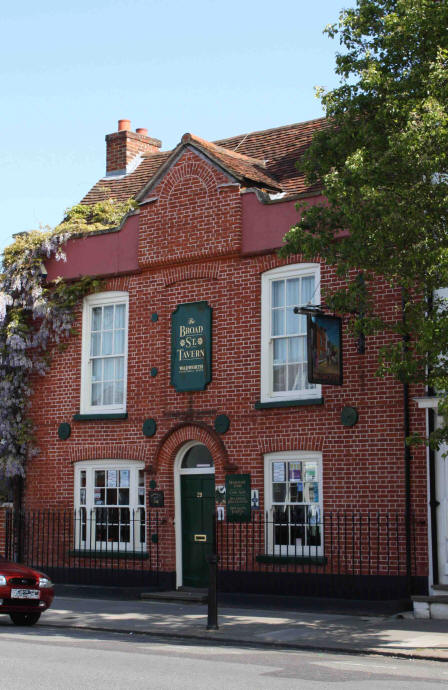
<point>194,481</point>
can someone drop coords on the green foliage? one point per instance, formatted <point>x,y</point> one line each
<point>36,316</point>
<point>104,214</point>
<point>383,164</point>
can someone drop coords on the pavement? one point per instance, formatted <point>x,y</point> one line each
<point>399,635</point>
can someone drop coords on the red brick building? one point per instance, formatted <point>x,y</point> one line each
<point>190,368</point>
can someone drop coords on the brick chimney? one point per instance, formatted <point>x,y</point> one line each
<point>124,146</point>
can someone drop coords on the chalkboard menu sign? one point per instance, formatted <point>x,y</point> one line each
<point>191,346</point>
<point>238,498</point>
<point>156,499</point>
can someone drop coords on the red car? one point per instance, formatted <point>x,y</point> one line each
<point>24,592</point>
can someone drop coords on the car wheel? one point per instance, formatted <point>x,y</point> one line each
<point>24,618</point>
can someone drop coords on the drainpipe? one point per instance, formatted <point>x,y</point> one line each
<point>433,502</point>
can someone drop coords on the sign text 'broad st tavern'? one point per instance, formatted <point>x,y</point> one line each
<point>191,346</point>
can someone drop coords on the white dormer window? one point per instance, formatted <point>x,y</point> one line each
<point>283,333</point>
<point>104,353</point>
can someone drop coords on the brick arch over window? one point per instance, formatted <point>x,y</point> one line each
<point>171,443</point>
<point>267,263</point>
<point>178,274</point>
<point>106,451</point>
<point>291,442</point>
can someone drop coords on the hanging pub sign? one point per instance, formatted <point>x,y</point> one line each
<point>191,346</point>
<point>324,342</point>
<point>238,498</point>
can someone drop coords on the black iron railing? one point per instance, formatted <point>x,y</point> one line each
<point>101,546</point>
<point>344,542</point>
<point>355,554</point>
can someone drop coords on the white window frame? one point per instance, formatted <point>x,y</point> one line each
<point>90,544</point>
<point>291,456</point>
<point>100,299</point>
<point>267,393</point>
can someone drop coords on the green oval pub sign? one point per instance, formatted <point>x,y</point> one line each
<point>191,346</point>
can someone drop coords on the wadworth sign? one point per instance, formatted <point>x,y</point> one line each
<point>191,346</point>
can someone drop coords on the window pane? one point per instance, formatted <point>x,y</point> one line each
<point>112,478</point>
<point>278,293</point>
<point>297,537</point>
<point>108,394</point>
<point>120,312</point>
<point>95,344</point>
<point>292,322</point>
<point>311,492</point>
<point>112,531</point>
<point>295,471</point>
<point>97,368</point>
<point>108,318</point>
<point>109,369</point>
<point>279,378</point>
<point>124,478</point>
<point>295,380</point>
<point>279,472</point>
<point>197,456</point>
<point>100,478</point>
<point>125,534</point>
<point>99,497</point>
<point>107,343</point>
<point>307,290</point>
<point>281,535</point>
<point>123,497</point>
<point>292,292</point>
<point>298,514</point>
<point>310,472</point>
<point>119,342</point>
<point>118,392</point>
<point>96,318</point>
<point>83,477</point>
<point>96,394</point>
<point>278,321</point>
<point>294,350</point>
<point>100,532</point>
<point>112,497</point>
<point>280,346</point>
<point>119,367</point>
<point>296,492</point>
<point>279,493</point>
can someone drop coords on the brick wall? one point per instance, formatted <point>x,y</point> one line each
<point>189,250</point>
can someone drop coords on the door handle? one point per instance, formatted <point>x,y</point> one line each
<point>200,537</point>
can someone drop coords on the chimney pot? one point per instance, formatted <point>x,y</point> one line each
<point>123,147</point>
<point>124,125</point>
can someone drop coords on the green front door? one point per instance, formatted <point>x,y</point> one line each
<point>198,505</point>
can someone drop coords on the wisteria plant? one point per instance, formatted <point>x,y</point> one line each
<point>36,316</point>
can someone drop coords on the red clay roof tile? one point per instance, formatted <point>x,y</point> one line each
<point>266,158</point>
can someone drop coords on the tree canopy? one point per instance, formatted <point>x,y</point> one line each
<point>383,165</point>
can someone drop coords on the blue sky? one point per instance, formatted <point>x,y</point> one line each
<point>70,72</point>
